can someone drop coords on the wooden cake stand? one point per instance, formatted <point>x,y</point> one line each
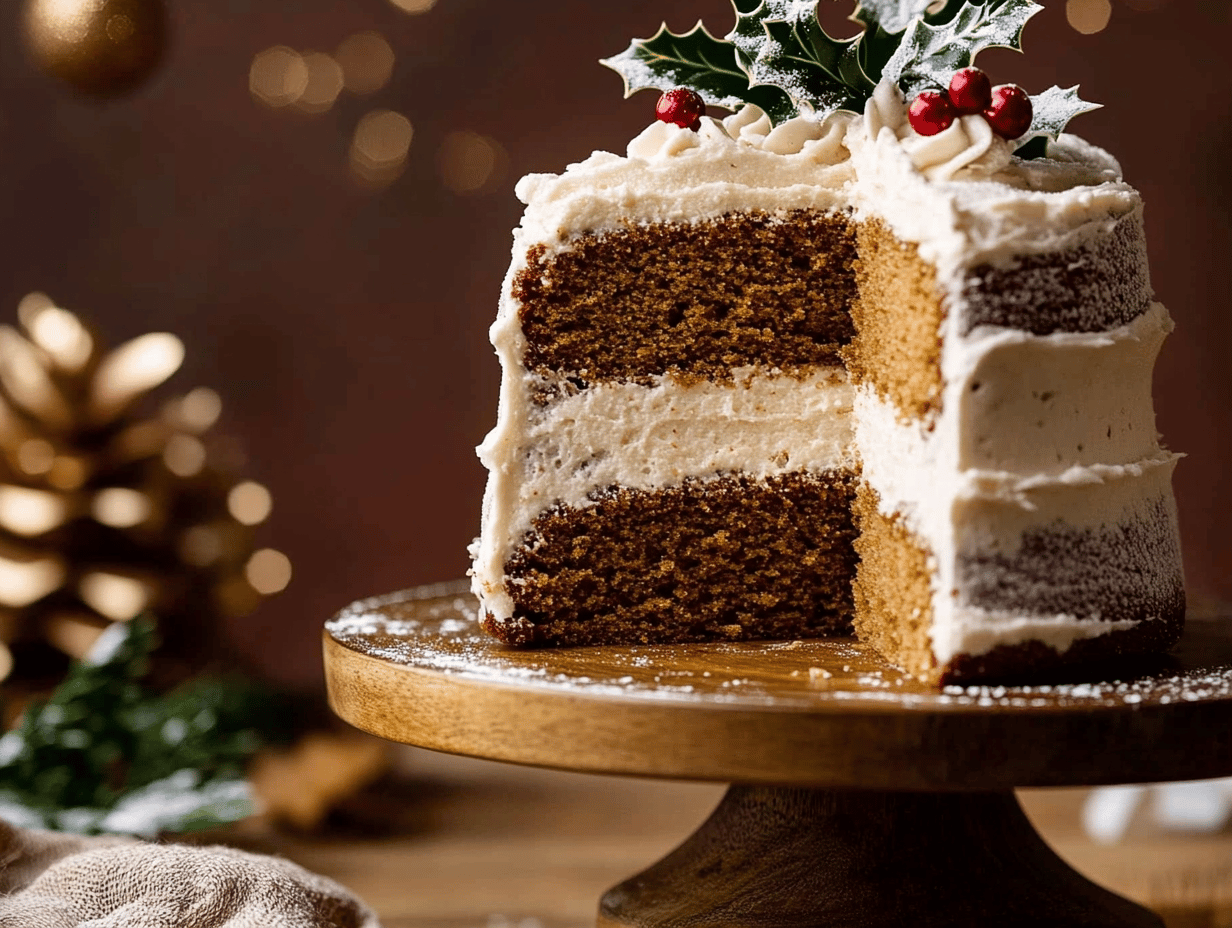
<point>862,797</point>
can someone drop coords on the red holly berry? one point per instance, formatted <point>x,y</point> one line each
<point>970,91</point>
<point>931,112</point>
<point>682,107</point>
<point>1010,112</point>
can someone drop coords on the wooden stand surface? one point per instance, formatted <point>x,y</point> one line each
<point>864,797</point>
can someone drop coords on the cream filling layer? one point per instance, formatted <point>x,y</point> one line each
<point>1035,430</point>
<point>1019,411</point>
<point>762,423</point>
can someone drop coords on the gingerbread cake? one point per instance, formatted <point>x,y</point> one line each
<point>783,380</point>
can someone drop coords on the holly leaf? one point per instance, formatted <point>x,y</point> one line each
<point>893,16</point>
<point>782,44</point>
<point>885,21</point>
<point>696,60</point>
<point>930,53</point>
<point>1051,112</point>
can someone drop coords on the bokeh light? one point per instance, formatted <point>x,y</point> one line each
<point>414,6</point>
<point>367,62</point>
<point>470,162</point>
<point>325,82</point>
<point>268,571</point>
<point>278,76</point>
<point>25,582</point>
<point>380,146</point>
<point>1088,16</point>
<point>198,410</point>
<point>184,455</point>
<point>117,597</point>
<point>121,507</point>
<point>28,512</point>
<point>250,503</point>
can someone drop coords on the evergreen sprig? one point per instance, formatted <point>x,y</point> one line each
<point>104,754</point>
<point>779,57</point>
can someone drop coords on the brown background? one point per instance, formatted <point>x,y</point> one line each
<point>346,327</point>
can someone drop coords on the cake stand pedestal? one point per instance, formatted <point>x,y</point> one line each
<point>862,797</point>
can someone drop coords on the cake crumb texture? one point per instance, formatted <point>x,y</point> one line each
<point>898,314</point>
<point>733,558</point>
<point>693,299</point>
<point>893,587</point>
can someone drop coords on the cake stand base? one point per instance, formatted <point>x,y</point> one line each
<point>901,811</point>
<point>775,857</point>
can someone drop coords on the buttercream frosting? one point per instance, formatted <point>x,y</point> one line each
<point>1032,430</point>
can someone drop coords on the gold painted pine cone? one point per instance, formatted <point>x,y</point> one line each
<point>110,508</point>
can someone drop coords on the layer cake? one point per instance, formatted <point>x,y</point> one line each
<point>777,381</point>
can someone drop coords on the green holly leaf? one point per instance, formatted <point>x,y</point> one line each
<point>696,60</point>
<point>1051,112</point>
<point>930,53</point>
<point>946,11</point>
<point>876,48</point>
<point>782,44</point>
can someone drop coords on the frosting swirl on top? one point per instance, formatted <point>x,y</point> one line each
<point>968,149</point>
<point>819,141</point>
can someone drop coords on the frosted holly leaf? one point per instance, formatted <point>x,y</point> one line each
<point>781,43</point>
<point>699,61</point>
<point>893,16</point>
<point>1051,112</point>
<point>885,22</point>
<point>930,54</point>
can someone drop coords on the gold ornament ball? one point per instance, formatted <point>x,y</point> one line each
<point>102,48</point>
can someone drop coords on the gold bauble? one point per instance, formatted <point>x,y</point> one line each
<point>103,48</point>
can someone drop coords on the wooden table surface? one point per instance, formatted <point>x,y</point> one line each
<point>449,842</point>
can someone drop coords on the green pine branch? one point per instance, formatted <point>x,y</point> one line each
<point>102,750</point>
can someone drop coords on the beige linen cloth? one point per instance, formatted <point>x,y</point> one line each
<point>52,880</point>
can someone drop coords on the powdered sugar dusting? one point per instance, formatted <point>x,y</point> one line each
<point>437,629</point>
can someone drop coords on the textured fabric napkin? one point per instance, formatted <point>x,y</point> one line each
<point>52,880</point>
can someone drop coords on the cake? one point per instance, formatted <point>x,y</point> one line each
<point>804,371</point>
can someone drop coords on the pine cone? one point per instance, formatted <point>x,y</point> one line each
<point>108,510</point>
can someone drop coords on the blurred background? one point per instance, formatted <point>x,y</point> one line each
<point>316,197</point>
